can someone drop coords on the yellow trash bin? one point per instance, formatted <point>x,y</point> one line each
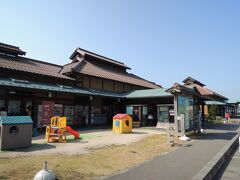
<point>122,123</point>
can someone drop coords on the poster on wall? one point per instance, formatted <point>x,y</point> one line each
<point>47,112</point>
<point>58,110</point>
<point>40,114</point>
<point>14,108</point>
<point>68,112</point>
<point>80,115</point>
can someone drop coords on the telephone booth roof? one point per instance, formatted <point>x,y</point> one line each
<point>15,120</point>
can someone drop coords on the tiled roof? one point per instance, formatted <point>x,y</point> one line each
<point>9,49</point>
<point>193,81</point>
<point>31,66</point>
<point>206,92</point>
<point>103,68</point>
<point>15,120</point>
<point>68,68</point>
<point>203,91</point>
<point>91,69</point>
<point>83,52</point>
<point>178,88</point>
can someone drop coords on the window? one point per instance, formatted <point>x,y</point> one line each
<point>145,110</point>
<point>64,87</point>
<point>163,114</point>
<point>14,107</point>
<point>20,81</point>
<point>13,130</point>
<point>129,110</point>
<point>126,123</point>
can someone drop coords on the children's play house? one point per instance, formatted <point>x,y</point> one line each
<point>15,132</point>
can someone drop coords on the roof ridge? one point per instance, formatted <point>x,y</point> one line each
<point>105,59</point>
<point>101,56</point>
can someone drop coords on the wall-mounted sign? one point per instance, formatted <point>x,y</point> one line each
<point>171,112</point>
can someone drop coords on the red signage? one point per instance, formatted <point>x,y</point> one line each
<point>47,112</point>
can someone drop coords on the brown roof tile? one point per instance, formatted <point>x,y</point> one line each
<point>9,49</point>
<point>31,66</point>
<point>192,80</point>
<point>91,69</point>
<point>83,52</point>
<point>67,68</point>
<point>206,92</point>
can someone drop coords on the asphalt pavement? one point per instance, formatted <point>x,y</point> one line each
<point>185,162</point>
<point>231,169</point>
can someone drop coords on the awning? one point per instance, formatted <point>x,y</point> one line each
<point>214,103</point>
<point>9,82</point>
<point>106,93</point>
<point>19,83</point>
<point>149,93</point>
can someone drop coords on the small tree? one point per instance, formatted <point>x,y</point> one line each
<point>212,112</point>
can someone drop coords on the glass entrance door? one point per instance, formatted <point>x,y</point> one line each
<point>163,114</point>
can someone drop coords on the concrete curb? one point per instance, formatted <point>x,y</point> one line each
<point>211,169</point>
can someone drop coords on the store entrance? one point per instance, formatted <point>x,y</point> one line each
<point>110,107</point>
<point>145,114</point>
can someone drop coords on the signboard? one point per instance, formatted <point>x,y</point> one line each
<point>171,112</point>
<point>47,111</point>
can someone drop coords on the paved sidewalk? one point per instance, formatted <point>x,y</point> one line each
<point>185,162</point>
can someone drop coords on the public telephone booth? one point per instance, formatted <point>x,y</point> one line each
<point>122,123</point>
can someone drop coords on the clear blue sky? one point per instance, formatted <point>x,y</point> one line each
<point>163,41</point>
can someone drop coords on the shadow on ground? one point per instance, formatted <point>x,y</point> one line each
<point>226,127</point>
<point>35,147</point>
<point>214,136</point>
<point>216,131</point>
<point>139,133</point>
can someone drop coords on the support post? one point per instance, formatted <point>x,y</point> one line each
<point>170,134</point>
<point>203,118</point>
<point>182,124</point>
<point>199,122</point>
<point>176,114</point>
<point>183,136</point>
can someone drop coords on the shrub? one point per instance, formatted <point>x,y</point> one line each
<point>212,111</point>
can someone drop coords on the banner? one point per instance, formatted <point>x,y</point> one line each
<point>47,112</point>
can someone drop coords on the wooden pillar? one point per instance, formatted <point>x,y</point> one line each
<point>90,111</point>
<point>203,117</point>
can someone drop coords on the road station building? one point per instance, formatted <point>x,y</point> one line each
<point>90,89</point>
